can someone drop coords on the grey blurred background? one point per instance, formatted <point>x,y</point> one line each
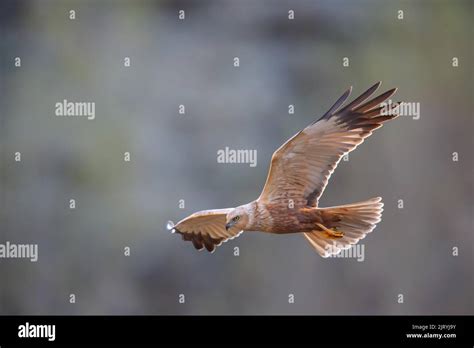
<point>173,156</point>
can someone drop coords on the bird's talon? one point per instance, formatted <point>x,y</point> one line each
<point>334,234</point>
<point>331,233</point>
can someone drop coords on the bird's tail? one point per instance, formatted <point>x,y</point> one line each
<point>351,223</point>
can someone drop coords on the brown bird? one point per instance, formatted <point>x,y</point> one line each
<point>299,172</point>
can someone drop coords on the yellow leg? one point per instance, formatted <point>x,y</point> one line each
<point>330,233</point>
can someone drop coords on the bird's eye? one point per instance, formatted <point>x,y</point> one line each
<point>236,218</point>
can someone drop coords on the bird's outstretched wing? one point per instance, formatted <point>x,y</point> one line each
<point>205,229</point>
<point>301,167</point>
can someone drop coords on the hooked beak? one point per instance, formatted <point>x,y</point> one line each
<point>229,225</point>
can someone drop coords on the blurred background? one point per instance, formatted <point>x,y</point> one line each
<point>173,156</point>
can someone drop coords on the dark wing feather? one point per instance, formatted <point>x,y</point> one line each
<point>301,168</point>
<point>206,229</point>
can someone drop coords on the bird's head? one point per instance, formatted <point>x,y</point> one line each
<point>237,217</point>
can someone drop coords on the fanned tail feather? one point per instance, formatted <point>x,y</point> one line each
<point>355,221</point>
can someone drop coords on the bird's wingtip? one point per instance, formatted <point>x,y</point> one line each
<point>170,226</point>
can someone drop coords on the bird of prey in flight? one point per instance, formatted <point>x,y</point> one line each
<point>299,172</point>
